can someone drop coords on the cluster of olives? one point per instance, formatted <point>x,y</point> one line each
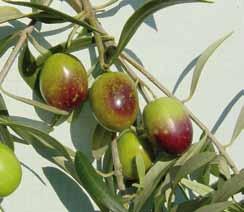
<point>114,101</point>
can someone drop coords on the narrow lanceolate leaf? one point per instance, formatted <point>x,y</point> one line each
<point>9,13</point>
<point>8,41</point>
<point>239,127</point>
<point>28,131</point>
<point>229,188</point>
<point>100,142</point>
<point>216,207</point>
<point>36,103</point>
<point>196,187</point>
<point>53,12</point>
<point>190,166</point>
<point>139,16</point>
<point>140,166</point>
<point>151,181</point>
<point>201,63</point>
<point>95,186</point>
<point>27,67</point>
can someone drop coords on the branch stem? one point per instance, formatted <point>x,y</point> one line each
<point>161,87</point>
<point>117,165</point>
<point>22,39</point>
<point>92,20</point>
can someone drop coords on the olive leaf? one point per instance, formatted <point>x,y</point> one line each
<point>53,13</point>
<point>9,13</point>
<point>42,2</point>
<point>239,127</point>
<point>138,17</point>
<point>95,186</point>
<point>216,207</point>
<point>197,187</point>
<point>190,166</point>
<point>27,66</point>
<point>8,41</point>
<point>202,60</point>
<point>229,188</point>
<point>151,180</point>
<point>140,166</point>
<point>100,141</point>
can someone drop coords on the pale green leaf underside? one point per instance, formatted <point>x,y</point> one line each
<point>201,62</point>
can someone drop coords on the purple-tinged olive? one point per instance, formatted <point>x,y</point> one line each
<point>63,81</point>
<point>168,125</point>
<point>114,100</point>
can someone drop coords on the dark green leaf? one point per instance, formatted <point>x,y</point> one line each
<point>42,2</point>
<point>27,67</point>
<point>190,206</point>
<point>9,13</point>
<point>100,142</point>
<point>139,16</point>
<point>151,181</point>
<point>216,207</point>
<point>53,12</point>
<point>201,63</point>
<point>229,188</point>
<point>95,186</point>
<point>7,42</point>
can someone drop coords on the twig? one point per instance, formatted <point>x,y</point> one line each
<point>158,84</point>
<point>91,17</point>
<point>117,165</point>
<point>22,39</point>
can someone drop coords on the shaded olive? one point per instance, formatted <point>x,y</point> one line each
<point>129,146</point>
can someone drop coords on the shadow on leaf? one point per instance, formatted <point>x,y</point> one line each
<point>68,191</point>
<point>135,4</point>
<point>226,110</point>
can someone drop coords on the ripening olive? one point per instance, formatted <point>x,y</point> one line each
<point>114,100</point>
<point>129,146</point>
<point>168,125</point>
<point>10,171</point>
<point>63,81</point>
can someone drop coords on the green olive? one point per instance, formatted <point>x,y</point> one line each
<point>129,146</point>
<point>10,171</point>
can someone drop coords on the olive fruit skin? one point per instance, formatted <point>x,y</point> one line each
<point>129,146</point>
<point>114,100</point>
<point>63,81</point>
<point>168,125</point>
<point>10,171</point>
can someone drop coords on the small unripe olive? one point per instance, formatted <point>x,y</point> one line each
<point>114,100</point>
<point>129,146</point>
<point>63,81</point>
<point>168,125</point>
<point>10,171</point>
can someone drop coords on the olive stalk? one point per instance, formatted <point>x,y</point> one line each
<point>91,18</point>
<point>197,121</point>
<point>117,165</point>
<point>22,40</point>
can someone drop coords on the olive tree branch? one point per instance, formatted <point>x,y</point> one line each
<point>91,18</point>
<point>117,165</point>
<point>23,35</point>
<point>158,84</point>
